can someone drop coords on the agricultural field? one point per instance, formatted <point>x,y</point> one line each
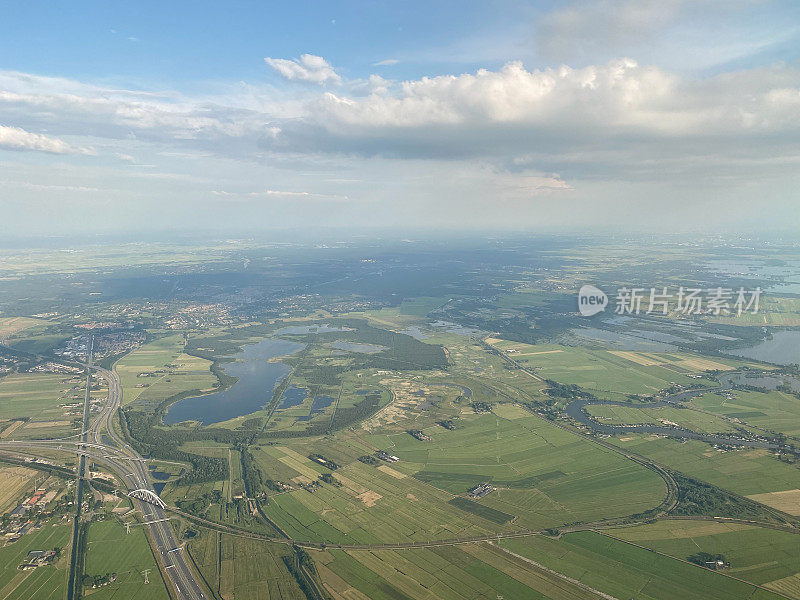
<point>13,481</point>
<point>243,568</point>
<point>761,556</point>
<point>408,312</point>
<point>544,477</point>
<point>774,311</point>
<point>612,371</point>
<point>160,369</point>
<point>626,571</point>
<point>110,550</point>
<point>446,573</point>
<point>50,403</point>
<point>772,410</point>
<point>693,420</point>
<point>745,472</point>
<point>10,326</point>
<point>43,583</point>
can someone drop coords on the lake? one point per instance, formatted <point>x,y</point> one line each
<point>257,380</point>
<point>782,349</point>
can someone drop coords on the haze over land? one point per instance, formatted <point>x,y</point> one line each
<point>596,115</point>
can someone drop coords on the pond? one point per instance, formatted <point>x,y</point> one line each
<point>257,379</point>
<point>318,407</point>
<point>292,396</point>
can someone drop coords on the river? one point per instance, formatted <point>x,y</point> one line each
<point>575,411</point>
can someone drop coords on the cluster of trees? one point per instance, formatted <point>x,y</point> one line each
<point>700,498</point>
<point>326,462</point>
<point>568,391</point>
<point>704,559</point>
<point>302,568</point>
<point>254,480</point>
<point>368,459</point>
<point>98,580</point>
<point>157,442</point>
<point>330,479</point>
<point>198,505</point>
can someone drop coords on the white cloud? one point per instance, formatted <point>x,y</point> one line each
<point>15,138</point>
<point>386,63</point>
<point>279,194</point>
<point>39,187</point>
<point>308,67</point>
<point>620,98</point>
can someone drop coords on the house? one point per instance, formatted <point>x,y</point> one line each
<point>479,491</point>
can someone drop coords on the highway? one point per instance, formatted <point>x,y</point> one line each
<point>133,469</point>
<point>121,458</point>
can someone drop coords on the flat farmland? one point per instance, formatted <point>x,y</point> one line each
<point>110,550</point>
<point>38,395</point>
<point>625,571</point>
<point>462,572</point>
<point>761,556</point>
<point>774,410</point>
<point>9,326</point>
<point>51,402</point>
<point>13,481</point>
<point>612,371</point>
<point>545,477</point>
<point>745,472</point>
<point>160,369</point>
<point>369,506</point>
<point>48,582</point>
<point>244,569</point>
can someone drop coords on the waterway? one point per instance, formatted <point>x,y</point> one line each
<point>257,380</point>
<point>575,410</point>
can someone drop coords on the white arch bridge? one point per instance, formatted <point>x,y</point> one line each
<point>147,496</point>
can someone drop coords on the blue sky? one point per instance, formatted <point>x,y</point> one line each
<point>537,115</point>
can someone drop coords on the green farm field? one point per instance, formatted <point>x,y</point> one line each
<point>110,550</point>
<point>612,371</point>
<point>45,583</point>
<point>170,371</point>
<point>545,477</point>
<point>38,395</point>
<point>774,410</point>
<point>446,573</point>
<point>625,571</point>
<point>43,398</point>
<point>761,556</point>
<point>745,472</point>
<point>244,569</point>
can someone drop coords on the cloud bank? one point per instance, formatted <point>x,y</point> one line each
<point>15,138</point>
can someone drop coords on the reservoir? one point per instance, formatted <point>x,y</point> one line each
<point>257,380</point>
